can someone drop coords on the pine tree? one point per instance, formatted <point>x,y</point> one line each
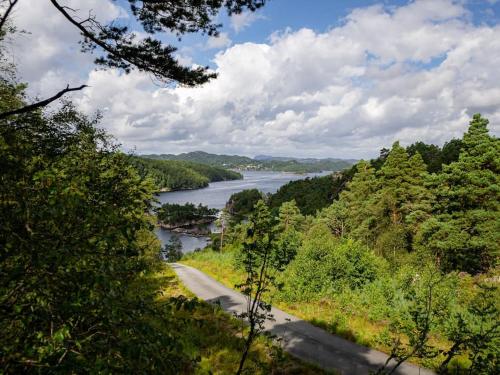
<point>464,234</point>
<point>359,198</point>
<point>289,237</point>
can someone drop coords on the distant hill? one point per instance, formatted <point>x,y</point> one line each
<point>260,162</point>
<point>179,175</point>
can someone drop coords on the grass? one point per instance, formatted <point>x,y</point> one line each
<point>337,318</point>
<point>212,336</point>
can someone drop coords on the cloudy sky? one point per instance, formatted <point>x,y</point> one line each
<point>318,78</point>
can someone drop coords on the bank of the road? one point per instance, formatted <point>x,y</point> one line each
<point>298,337</point>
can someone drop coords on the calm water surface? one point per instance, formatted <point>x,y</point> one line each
<point>217,194</point>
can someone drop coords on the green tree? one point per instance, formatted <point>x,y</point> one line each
<point>451,151</point>
<point>260,273</point>
<point>325,265</point>
<point>289,236</point>
<point>336,217</point>
<point>402,201</point>
<point>75,235</point>
<point>359,198</point>
<point>240,205</point>
<point>475,330</point>
<point>464,232</point>
<point>173,250</point>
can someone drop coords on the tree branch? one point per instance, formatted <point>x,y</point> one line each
<point>87,34</point>
<point>11,5</point>
<point>40,104</point>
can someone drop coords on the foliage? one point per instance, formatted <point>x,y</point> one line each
<point>241,204</point>
<point>475,330</point>
<point>119,47</point>
<point>180,214</point>
<point>325,265</point>
<point>310,194</point>
<point>75,235</point>
<point>172,252</point>
<point>176,175</point>
<point>289,237</point>
<point>246,163</point>
<point>464,231</point>
<point>411,328</point>
<point>381,264</point>
<point>259,267</point>
<point>435,157</point>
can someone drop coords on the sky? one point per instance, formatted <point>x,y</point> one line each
<point>301,78</point>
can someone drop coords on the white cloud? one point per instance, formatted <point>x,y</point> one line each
<point>218,42</point>
<point>243,20</point>
<point>416,72</point>
<point>48,56</point>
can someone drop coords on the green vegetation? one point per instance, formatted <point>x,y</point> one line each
<point>246,163</point>
<point>172,252</point>
<point>241,204</point>
<point>312,194</point>
<point>178,175</point>
<point>82,288</point>
<point>173,214</point>
<point>404,260</point>
<point>74,238</point>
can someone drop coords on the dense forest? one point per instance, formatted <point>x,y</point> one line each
<point>178,215</point>
<point>179,175</point>
<point>262,163</point>
<point>313,194</point>
<point>405,258</point>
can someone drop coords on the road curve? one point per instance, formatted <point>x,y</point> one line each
<point>299,338</point>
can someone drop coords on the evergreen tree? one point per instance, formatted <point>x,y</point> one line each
<point>464,233</point>
<point>359,198</point>
<point>401,202</point>
<point>335,217</point>
<point>289,237</point>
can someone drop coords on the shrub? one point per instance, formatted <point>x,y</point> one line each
<point>325,265</point>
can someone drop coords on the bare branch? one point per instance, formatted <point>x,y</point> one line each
<point>3,19</point>
<point>85,32</point>
<point>40,104</point>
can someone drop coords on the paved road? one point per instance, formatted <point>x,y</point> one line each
<point>299,338</point>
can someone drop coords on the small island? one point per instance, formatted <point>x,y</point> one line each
<point>187,218</point>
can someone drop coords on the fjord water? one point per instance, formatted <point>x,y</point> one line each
<point>217,194</point>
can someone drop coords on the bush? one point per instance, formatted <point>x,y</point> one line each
<point>326,265</point>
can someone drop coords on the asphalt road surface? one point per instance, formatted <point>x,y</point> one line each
<point>298,337</point>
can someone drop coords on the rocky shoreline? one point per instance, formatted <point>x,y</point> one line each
<point>199,228</point>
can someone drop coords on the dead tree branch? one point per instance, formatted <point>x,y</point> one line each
<point>40,104</point>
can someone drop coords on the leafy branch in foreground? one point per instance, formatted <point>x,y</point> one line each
<point>259,266</point>
<point>475,330</point>
<point>413,328</point>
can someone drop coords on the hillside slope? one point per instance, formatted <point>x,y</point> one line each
<point>179,175</point>
<point>283,164</point>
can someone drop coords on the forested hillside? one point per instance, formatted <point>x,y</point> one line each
<point>313,194</point>
<point>405,258</point>
<point>178,175</point>
<point>267,163</point>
